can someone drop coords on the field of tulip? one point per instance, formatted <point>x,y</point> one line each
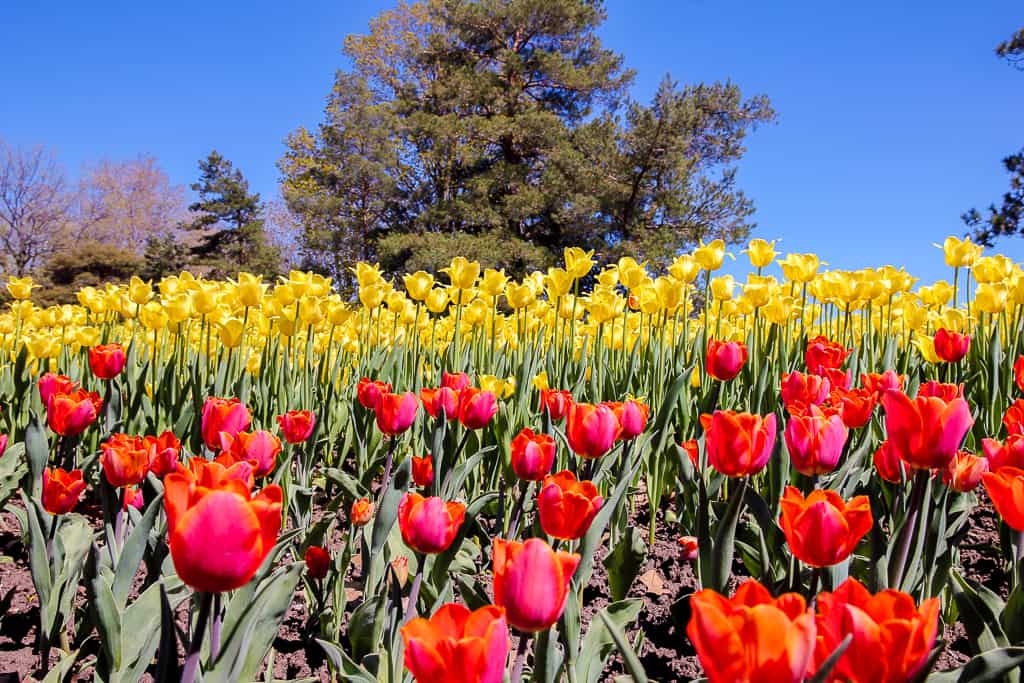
<point>592,474</point>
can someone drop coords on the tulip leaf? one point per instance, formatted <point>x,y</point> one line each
<point>60,672</point>
<point>629,658</point>
<point>108,615</point>
<point>457,477</point>
<point>547,659</point>
<point>979,610</point>
<point>39,563</point>
<point>352,488</point>
<point>598,644</point>
<point>37,448</point>
<point>724,541</point>
<point>988,667</point>
<point>443,561</point>
<point>624,562</point>
<point>344,664</point>
<point>141,627</point>
<point>133,551</point>
<point>387,510</point>
<point>12,471</point>
<point>592,539</point>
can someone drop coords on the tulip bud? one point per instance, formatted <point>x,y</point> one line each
<point>476,408</point>
<point>296,425</point>
<point>532,454</point>
<point>361,512</point>
<point>369,392</point>
<point>591,429</point>
<point>556,403</point>
<point>423,471</point>
<point>531,581</point>
<point>738,444</point>
<point>815,441</point>
<point>725,359</point>
<point>566,507</point>
<point>951,346</point>
<point>318,562</point>
<point>964,472</point>
<point>429,525</point>
<point>396,412</point>
<point>457,645</point>
<point>442,398</point>
<point>61,490</point>
<point>823,529</point>
<point>228,415</point>
<point>125,460</point>
<point>70,414</point>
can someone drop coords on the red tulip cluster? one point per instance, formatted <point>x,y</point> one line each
<point>69,409</point>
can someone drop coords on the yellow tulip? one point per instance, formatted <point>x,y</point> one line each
<point>669,293</point>
<point>540,381</point>
<point>937,294</point>
<point>710,256</point>
<point>372,296</point>
<point>20,287</point>
<point>578,262</point>
<point>685,268</point>
<point>992,268</point>
<point>493,282</point>
<point>609,277</point>
<point>722,287</point>
<point>520,296</point>
<point>462,272</point>
<point>461,296</point>
<point>230,332</point>
<point>139,291</point>
<point>367,275</point>
<point>250,289</point>
<point>437,300</point>
<point>991,298</point>
<point>418,284</point>
<point>800,267</point>
<point>960,253</point>
<point>926,347</point>
<point>761,252</point>
<point>310,310</point>
<point>558,282</point>
<point>153,316</point>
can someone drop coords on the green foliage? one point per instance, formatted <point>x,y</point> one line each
<point>164,255</point>
<point>88,264</point>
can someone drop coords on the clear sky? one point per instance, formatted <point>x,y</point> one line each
<point>893,116</point>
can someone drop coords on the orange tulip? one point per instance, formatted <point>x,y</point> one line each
<point>964,471</point>
<point>361,512</point>
<point>725,359</point>
<point>70,414</point>
<point>591,429</point>
<point>856,406</point>
<point>926,431</point>
<point>823,529</point>
<point>107,360</point>
<point>936,389</point>
<point>738,444</point>
<point>1018,372</point>
<point>823,354</point>
<point>532,454</point>
<point>125,459</point>
<point>1013,419</point>
<point>61,490</point>
<point>800,390</point>
<point>692,451</point>
<point>752,637</point>
<point>223,415</point>
<point>690,546</point>
<point>455,380</point>
<point>259,449</point>
<point>1005,487</point>
<point>396,412</point>
<point>951,346</point>
<point>429,525</point>
<point>442,398</point>
<point>369,392</point>
<point>1001,454</point>
<point>164,453</point>
<point>556,402</point>
<point>133,497</point>
<point>879,384</point>
<point>531,581</point>
<point>219,535</point>
<point>892,637</point>
<point>296,425</point>
<point>566,507</point>
<point>423,470</point>
<point>888,464</point>
<point>457,646</point>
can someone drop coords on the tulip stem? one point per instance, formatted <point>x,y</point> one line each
<point>517,511</point>
<point>812,591</point>
<point>414,591</point>
<point>520,658</point>
<point>909,526</point>
<point>195,645</point>
<point>215,627</point>
<point>1018,560</point>
<point>388,463</point>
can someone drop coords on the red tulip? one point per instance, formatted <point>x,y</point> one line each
<point>1005,487</point>
<point>125,459</point>
<point>51,383</point>
<point>361,512</point>
<point>690,546</point>
<point>725,359</point>
<point>457,646</point>
<point>591,429</point>
<point>951,346</point>
<point>296,425</point>
<point>423,471</point>
<point>1018,372</point>
<point>738,444</point>
<point>532,454</point>
<point>220,534</point>
<point>164,453</point>
<point>107,360</point>
<point>455,380</point>
<point>632,416</point>
<point>815,441</point>
<point>556,402</point>
<point>442,398</point>
<point>70,414</point>
<point>879,384</point>
<point>531,581</point>
<point>223,415</point>
<point>888,464</point>
<point>856,406</point>
<point>963,473</point>
<point>838,379</point>
<point>476,408</point>
<point>935,389</point>
<point>566,507</point>
<point>429,525</point>
<point>369,392</point>
<point>3,444</point>
<point>259,449</point>
<point>318,562</point>
<point>752,637</point>
<point>61,490</point>
<point>1009,452</point>
<point>927,431</point>
<point>133,497</point>
<point>823,529</point>
<point>692,451</point>
<point>1013,419</point>
<point>892,637</point>
<point>396,412</point>
<point>822,354</point>
<point>212,474</point>
<point>799,389</point>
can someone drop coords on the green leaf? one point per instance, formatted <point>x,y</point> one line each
<point>592,539</point>
<point>598,644</point>
<point>366,626</point>
<point>629,658</point>
<point>724,544</point>
<point>387,511</point>
<point>343,664</point>
<point>108,615</point>
<point>133,551</point>
<point>624,562</point>
<point>988,667</point>
<point>37,448</point>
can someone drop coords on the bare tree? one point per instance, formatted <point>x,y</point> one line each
<point>34,207</point>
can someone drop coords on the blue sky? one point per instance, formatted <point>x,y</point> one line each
<point>893,117</point>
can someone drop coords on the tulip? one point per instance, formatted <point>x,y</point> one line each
<point>822,354</point>
<point>361,512</point>
<point>632,416</point>
<point>107,360</point>
<point>368,392</point>
<point>423,471</point>
<point>799,389</point>
<point>591,429</point>
<point>725,359</point>
<point>1005,487</point>
<point>212,474</point>
<point>70,414</point>
<point>442,398</point>
<point>692,451</point>
<point>738,444</point>
<point>963,473</point>
<point>566,507</point>
<point>951,346</point>
<point>476,408</point>
<point>815,441</point>
<point>3,444</point>
<point>164,451</point>
<point>879,384</point>
<point>227,415</point>
<point>532,454</point>
<point>823,530</point>
<point>1013,419</point>
<point>838,379</point>
<point>396,412</point>
<point>20,287</point>
<point>219,535</point>
<point>125,460</point>
<point>61,490</point>
<point>531,581</point>
<point>935,389</point>
<point>556,403</point>
<point>856,406</point>
<point>456,381</point>
<point>429,525</point>
<point>51,383</point>
<point>888,464</point>
<point>457,645</point>
<point>318,561</point>
<point>927,431</point>
<point>296,425</point>
<point>1009,452</point>
<point>892,637</point>
<point>259,449</point>
<point>133,497</point>
<point>752,637</point>
<point>1018,372</point>
<point>690,548</point>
